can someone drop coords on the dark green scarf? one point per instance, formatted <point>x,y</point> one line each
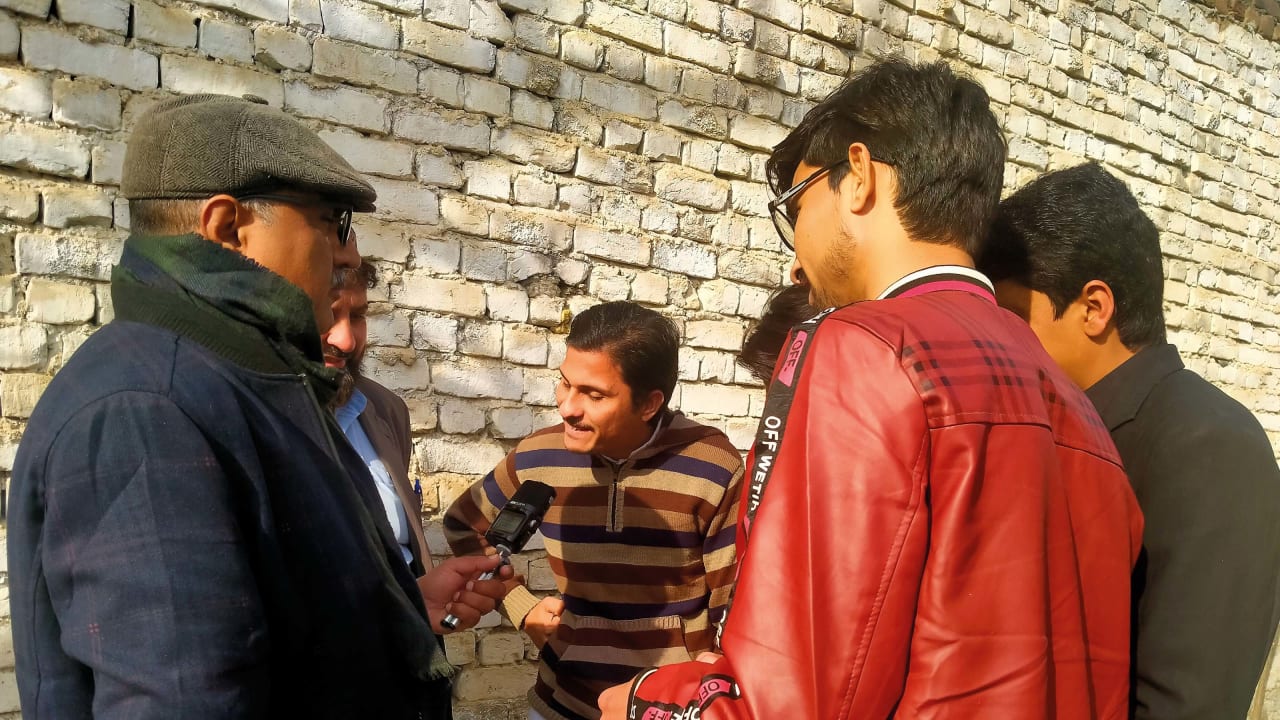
<point>260,321</point>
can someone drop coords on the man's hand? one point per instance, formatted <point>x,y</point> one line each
<point>613,702</point>
<point>541,622</point>
<point>452,587</point>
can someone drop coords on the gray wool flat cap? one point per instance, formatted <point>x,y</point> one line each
<point>197,146</point>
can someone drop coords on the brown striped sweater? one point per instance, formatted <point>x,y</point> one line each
<point>642,551</point>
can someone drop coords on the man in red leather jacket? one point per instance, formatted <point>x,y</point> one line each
<point>937,525</point>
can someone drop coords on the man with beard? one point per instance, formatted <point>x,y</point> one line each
<point>375,420</point>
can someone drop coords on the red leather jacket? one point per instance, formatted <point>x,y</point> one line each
<point>947,533</point>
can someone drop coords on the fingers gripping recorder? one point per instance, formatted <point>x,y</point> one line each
<point>515,524</point>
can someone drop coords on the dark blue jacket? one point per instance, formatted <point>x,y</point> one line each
<point>187,540</point>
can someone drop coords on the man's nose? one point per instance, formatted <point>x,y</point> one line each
<point>340,335</point>
<point>569,406</point>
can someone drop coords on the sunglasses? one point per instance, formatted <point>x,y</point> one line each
<point>343,213</point>
<point>784,223</point>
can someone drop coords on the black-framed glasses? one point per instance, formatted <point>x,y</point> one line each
<point>344,212</point>
<point>784,223</point>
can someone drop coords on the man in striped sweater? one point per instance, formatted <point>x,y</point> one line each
<point>641,535</point>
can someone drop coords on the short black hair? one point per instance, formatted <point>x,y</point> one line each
<point>935,127</point>
<point>1071,226</point>
<point>644,344</point>
<point>787,308</point>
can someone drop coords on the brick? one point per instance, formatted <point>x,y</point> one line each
<point>437,168</point>
<point>226,41</point>
<point>537,35</point>
<point>112,15</point>
<point>25,93</point>
<point>511,422</point>
<point>281,49</point>
<point>274,10</point>
<point>451,296</point>
<point>485,96</point>
<point>572,272</point>
<point>470,378</point>
<point>699,119</point>
<point>684,258</point>
<point>756,133</point>
<point>650,288</point>
<point>431,332</point>
<point>46,150</point>
<point>710,88</point>
<point>661,145</point>
<point>487,683</point>
<point>624,63</point>
<point>405,200</point>
<point>79,257</point>
<point>690,187</point>
<point>19,202</point>
<point>460,647</point>
<point>170,26</point>
<point>361,24</point>
<point>529,229</point>
<point>370,155</point>
<point>718,334</point>
<point>484,262</point>
<point>524,345</point>
<point>86,104</point>
<point>79,205</point>
<point>784,12</point>
<point>465,216</point>
<point>451,129</point>
<point>22,346</point>
<point>36,8</point>
<point>359,65</point>
<point>533,191</point>
<point>751,268</point>
<point>488,179</point>
<point>341,105</point>
<point>398,369</point>
<point>528,72</point>
<point>383,240</point>
<point>838,28</point>
<point>629,27</point>
<point>610,283</point>
<point>450,47</point>
<point>19,393</point>
<point>615,246</point>
<point>48,49</point>
<point>582,49</point>
<point>10,37</point>
<point>507,304</point>
<point>488,21</point>
<point>59,303</point>
<point>621,136</point>
<point>455,15</point>
<point>621,98</point>
<point>482,339</point>
<point>614,169</point>
<point>771,39</point>
<point>458,417</point>
<point>501,648</point>
<point>767,70</point>
<point>193,75</point>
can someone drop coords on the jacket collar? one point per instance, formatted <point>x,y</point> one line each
<point>223,301</point>
<point>672,431</point>
<point>1120,393</point>
<point>941,277</point>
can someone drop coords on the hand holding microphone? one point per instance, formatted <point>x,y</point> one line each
<point>512,528</point>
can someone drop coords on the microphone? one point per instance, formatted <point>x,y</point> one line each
<point>515,524</point>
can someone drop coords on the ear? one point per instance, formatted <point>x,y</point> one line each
<point>651,405</point>
<point>220,220</point>
<point>859,186</point>
<point>1099,308</point>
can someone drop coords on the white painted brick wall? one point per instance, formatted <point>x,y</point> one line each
<point>536,156</point>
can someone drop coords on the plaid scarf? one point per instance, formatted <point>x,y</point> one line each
<point>242,311</point>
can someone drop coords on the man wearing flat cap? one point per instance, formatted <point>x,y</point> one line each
<point>190,536</point>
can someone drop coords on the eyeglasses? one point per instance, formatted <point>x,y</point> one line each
<point>784,223</point>
<point>343,213</point>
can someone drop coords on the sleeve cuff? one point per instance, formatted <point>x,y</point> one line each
<point>517,604</point>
